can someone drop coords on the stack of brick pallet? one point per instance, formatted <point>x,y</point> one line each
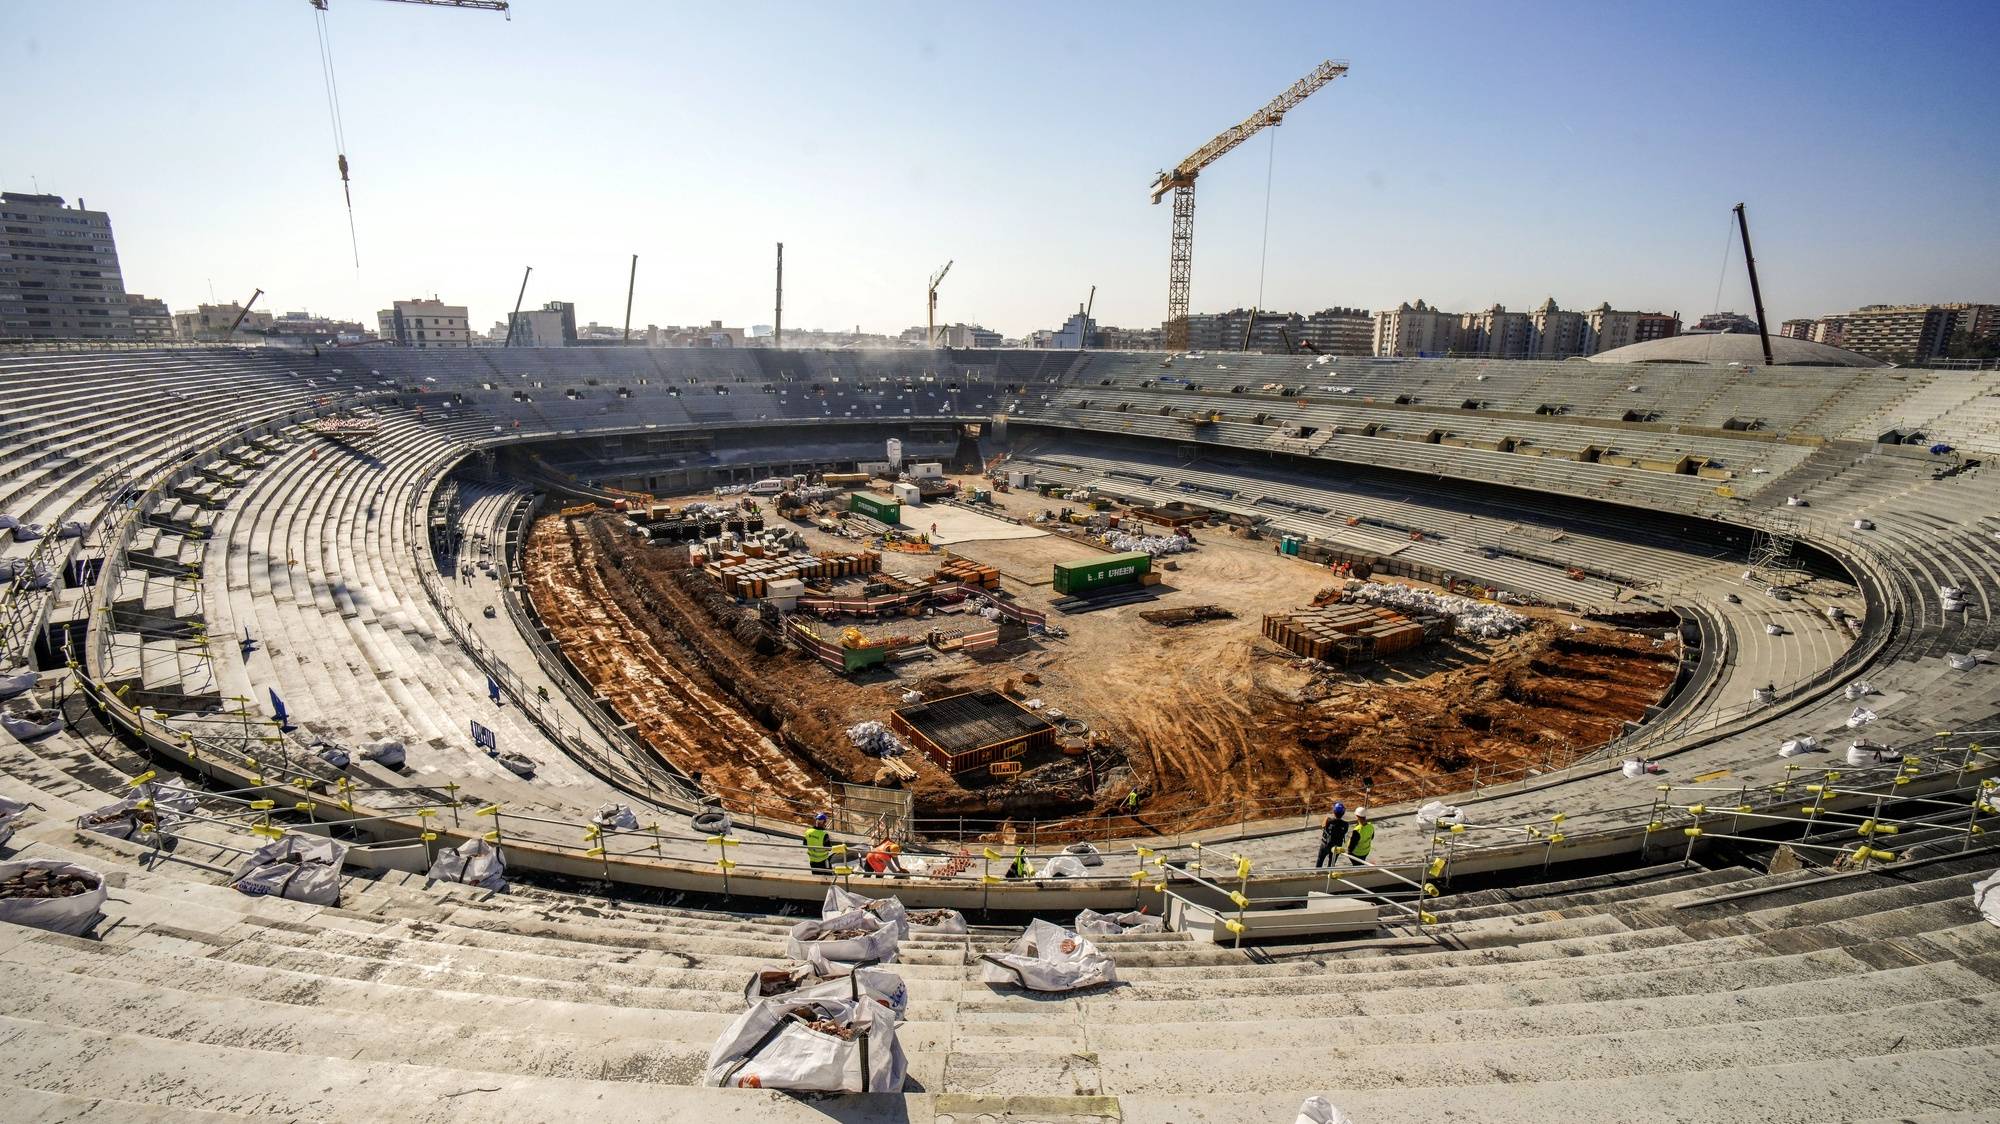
<point>969,572</point>
<point>744,576</point>
<point>1343,633</point>
<point>830,565</point>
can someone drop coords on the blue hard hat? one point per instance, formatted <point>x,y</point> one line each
<point>1339,809</point>
<point>820,818</point>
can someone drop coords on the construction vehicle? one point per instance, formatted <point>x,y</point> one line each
<point>1180,180</point>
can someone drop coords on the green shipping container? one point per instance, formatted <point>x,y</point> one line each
<point>885,511</point>
<point>1116,569</point>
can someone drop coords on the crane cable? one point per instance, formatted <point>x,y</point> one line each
<point>1722,277</point>
<point>339,127</point>
<point>1264,251</point>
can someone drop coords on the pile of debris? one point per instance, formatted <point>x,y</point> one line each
<point>1471,618</point>
<point>876,739</point>
<point>1154,545</point>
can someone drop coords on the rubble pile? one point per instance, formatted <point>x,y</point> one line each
<point>1471,618</point>
<point>874,738</point>
<point>1154,545</point>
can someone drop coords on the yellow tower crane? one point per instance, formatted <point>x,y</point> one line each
<point>930,317</point>
<point>1180,180</point>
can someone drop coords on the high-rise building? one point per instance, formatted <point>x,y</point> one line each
<point>552,325</point>
<point>425,323</point>
<point>1226,331</point>
<point>1131,339</point>
<point>1556,334</point>
<point>1415,330</point>
<point>1726,322</point>
<point>1799,329</point>
<point>150,318</point>
<point>1496,333</point>
<point>1606,328</point>
<point>1079,331</point>
<point>1340,331</point>
<point>1909,333</point>
<point>1656,326</point>
<point>59,275</point>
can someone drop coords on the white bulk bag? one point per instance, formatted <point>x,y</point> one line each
<point>767,1048</point>
<point>1094,924</point>
<point>1437,813</point>
<point>619,816</point>
<point>820,978</point>
<point>1063,866</point>
<point>11,685</point>
<point>304,868</point>
<point>1865,753</point>
<point>1048,957</point>
<point>938,921</point>
<point>31,725</point>
<point>10,817</point>
<point>890,909</point>
<point>877,942</point>
<point>1859,689</point>
<point>1798,745</point>
<point>73,915</point>
<point>1986,895</point>
<point>474,862</point>
<point>1634,768</point>
<point>388,754</point>
<point>1862,716</point>
<point>1962,663</point>
<point>1864,524</point>
<point>1318,1110</point>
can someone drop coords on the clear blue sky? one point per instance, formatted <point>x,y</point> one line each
<point>1477,153</point>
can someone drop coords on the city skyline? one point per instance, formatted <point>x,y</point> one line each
<point>558,139</point>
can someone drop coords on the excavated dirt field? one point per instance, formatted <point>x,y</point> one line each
<point>1210,721</point>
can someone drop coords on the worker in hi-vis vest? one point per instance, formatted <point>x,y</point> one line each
<point>1362,840</point>
<point>819,845</point>
<point>1019,868</point>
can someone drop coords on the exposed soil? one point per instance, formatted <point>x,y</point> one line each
<point>1210,722</point>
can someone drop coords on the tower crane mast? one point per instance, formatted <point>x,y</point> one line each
<point>930,330</point>
<point>1180,180</point>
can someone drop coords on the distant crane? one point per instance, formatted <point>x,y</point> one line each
<point>1083,330</point>
<point>930,335</point>
<point>1180,180</point>
<point>1756,294</point>
<point>242,312</point>
<point>514,318</point>
<point>480,5</point>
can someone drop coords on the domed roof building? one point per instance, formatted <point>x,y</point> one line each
<point>1720,349</point>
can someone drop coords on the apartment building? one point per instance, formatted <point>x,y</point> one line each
<point>59,276</point>
<point>424,323</point>
<point>1412,330</point>
<point>150,318</point>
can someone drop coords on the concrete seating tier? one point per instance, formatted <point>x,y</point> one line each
<point>1680,991</point>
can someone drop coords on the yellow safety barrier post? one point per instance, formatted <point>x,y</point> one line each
<point>1693,831</point>
<point>654,827</point>
<point>595,834</point>
<point>986,878</point>
<point>451,787</point>
<point>1241,896</point>
<point>1196,864</point>
<point>493,810</point>
<point>1138,876</point>
<point>723,862</point>
<point>427,836</point>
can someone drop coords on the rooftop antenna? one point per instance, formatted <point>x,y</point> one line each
<point>629,283</point>
<point>1756,294</point>
<point>514,320</point>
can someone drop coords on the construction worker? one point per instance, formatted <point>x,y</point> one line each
<point>819,845</point>
<point>1332,833</point>
<point>1019,868</point>
<point>1131,801</point>
<point>1362,840</point>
